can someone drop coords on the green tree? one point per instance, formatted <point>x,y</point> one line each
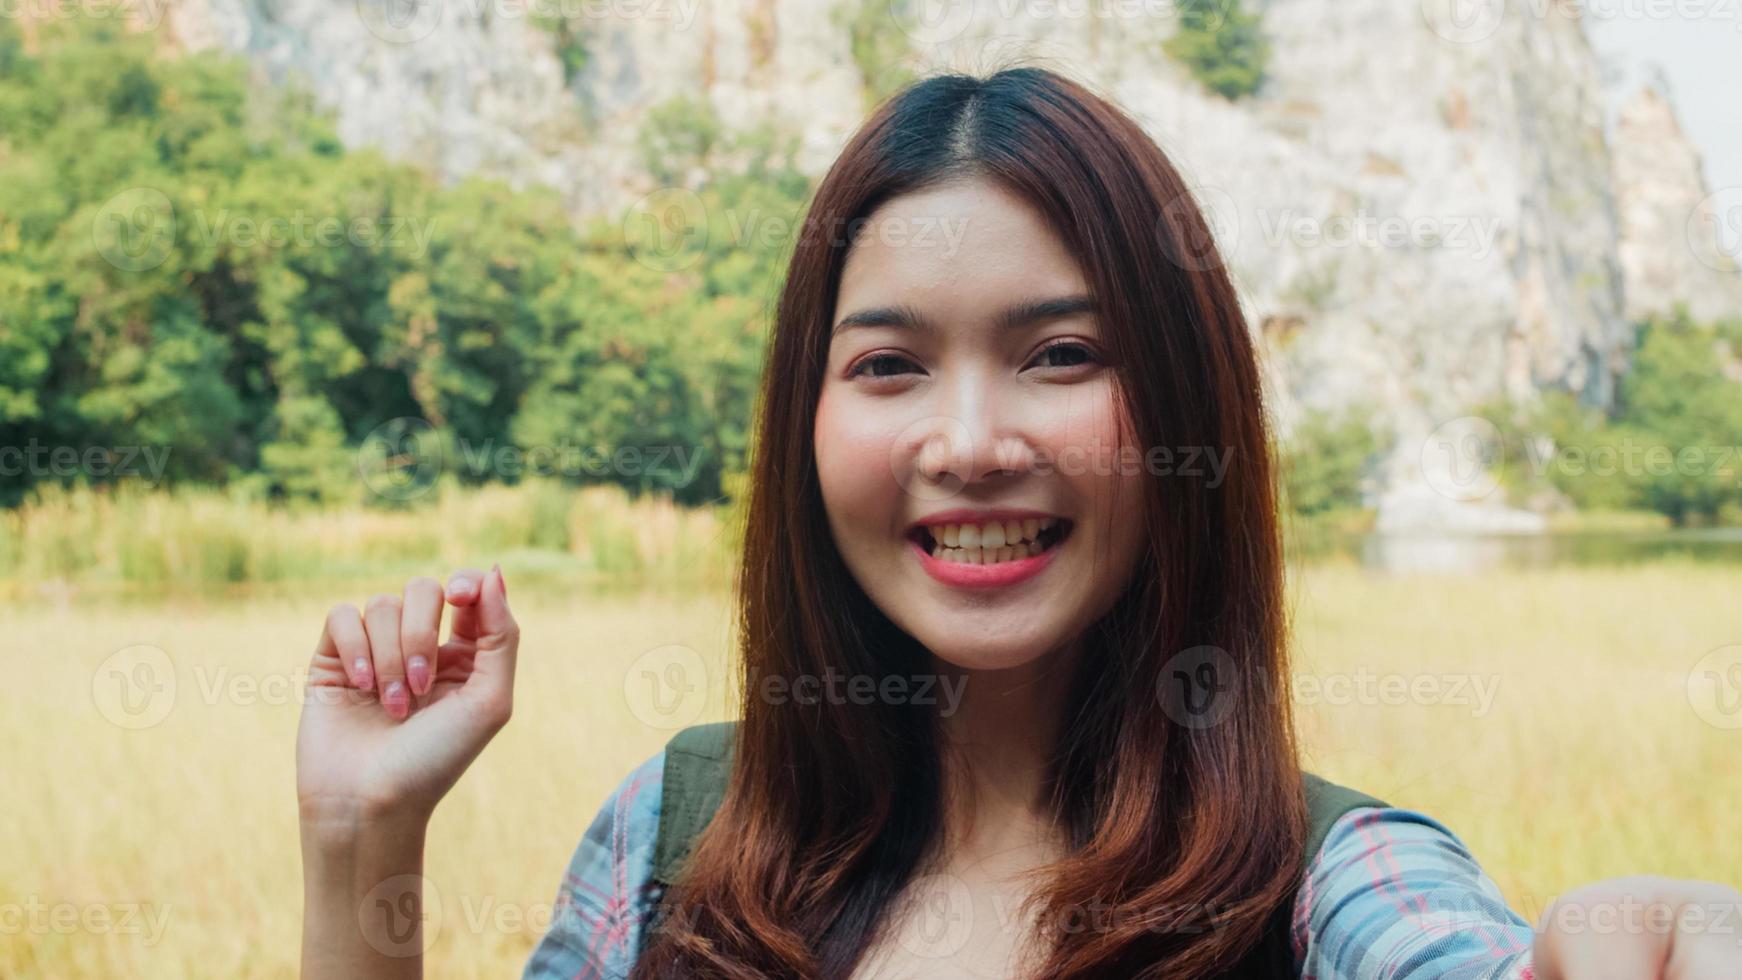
<point>1222,44</point>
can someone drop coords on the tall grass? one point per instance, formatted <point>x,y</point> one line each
<point>131,538</point>
<point>1587,762</point>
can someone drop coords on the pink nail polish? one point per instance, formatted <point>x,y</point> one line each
<point>500,580</point>
<point>417,672</point>
<point>395,700</point>
<point>365,676</point>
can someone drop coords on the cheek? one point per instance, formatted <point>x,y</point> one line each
<point>853,452</point>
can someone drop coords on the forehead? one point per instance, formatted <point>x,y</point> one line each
<point>962,247</point>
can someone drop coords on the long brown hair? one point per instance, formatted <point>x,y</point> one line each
<point>1189,833</point>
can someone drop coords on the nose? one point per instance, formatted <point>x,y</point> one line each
<point>978,438</point>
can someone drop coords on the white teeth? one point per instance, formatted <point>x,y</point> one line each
<point>994,541</point>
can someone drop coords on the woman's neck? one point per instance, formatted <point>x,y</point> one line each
<point>999,744</point>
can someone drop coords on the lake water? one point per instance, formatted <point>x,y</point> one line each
<point>1466,553</point>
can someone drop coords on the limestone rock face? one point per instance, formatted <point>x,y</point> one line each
<point>1421,205</point>
<point>1670,247</point>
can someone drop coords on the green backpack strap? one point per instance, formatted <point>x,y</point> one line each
<point>1326,803</point>
<point>698,760</point>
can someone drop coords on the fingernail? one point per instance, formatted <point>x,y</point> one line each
<point>417,671</point>
<point>395,700</point>
<point>460,585</point>
<point>497,568</point>
<point>365,676</point>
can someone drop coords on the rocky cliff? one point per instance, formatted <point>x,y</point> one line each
<point>1422,206</point>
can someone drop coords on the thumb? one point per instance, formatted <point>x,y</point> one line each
<point>498,639</point>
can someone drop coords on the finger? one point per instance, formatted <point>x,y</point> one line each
<point>343,640</point>
<point>462,593</point>
<point>381,622</point>
<point>498,646</point>
<point>420,626</point>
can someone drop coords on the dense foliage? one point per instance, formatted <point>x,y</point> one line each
<point>196,272</point>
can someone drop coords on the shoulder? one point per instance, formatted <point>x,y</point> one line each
<point>607,893</point>
<point>1393,892</point>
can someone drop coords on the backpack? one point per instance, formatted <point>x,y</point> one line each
<point>698,761</point>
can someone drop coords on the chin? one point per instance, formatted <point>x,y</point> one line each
<point>994,653</point>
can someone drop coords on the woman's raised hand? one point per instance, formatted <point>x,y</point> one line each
<point>393,715</point>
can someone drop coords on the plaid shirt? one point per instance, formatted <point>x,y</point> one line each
<point>1392,894</point>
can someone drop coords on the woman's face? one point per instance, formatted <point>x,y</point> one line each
<point>967,432</point>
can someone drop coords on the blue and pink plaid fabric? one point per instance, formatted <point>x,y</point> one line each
<point>1392,894</point>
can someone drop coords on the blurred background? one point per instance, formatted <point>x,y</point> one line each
<point>300,298</point>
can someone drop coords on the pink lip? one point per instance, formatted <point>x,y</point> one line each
<point>965,576</point>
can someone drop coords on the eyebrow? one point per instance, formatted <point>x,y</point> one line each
<point>1011,317</point>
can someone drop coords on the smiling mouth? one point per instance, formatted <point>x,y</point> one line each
<point>991,542</point>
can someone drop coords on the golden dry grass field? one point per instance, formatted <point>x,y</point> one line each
<point>151,830</point>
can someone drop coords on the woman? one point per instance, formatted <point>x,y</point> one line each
<point>1011,443</point>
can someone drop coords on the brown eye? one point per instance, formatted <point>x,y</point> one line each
<point>1065,355</point>
<point>881,366</point>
